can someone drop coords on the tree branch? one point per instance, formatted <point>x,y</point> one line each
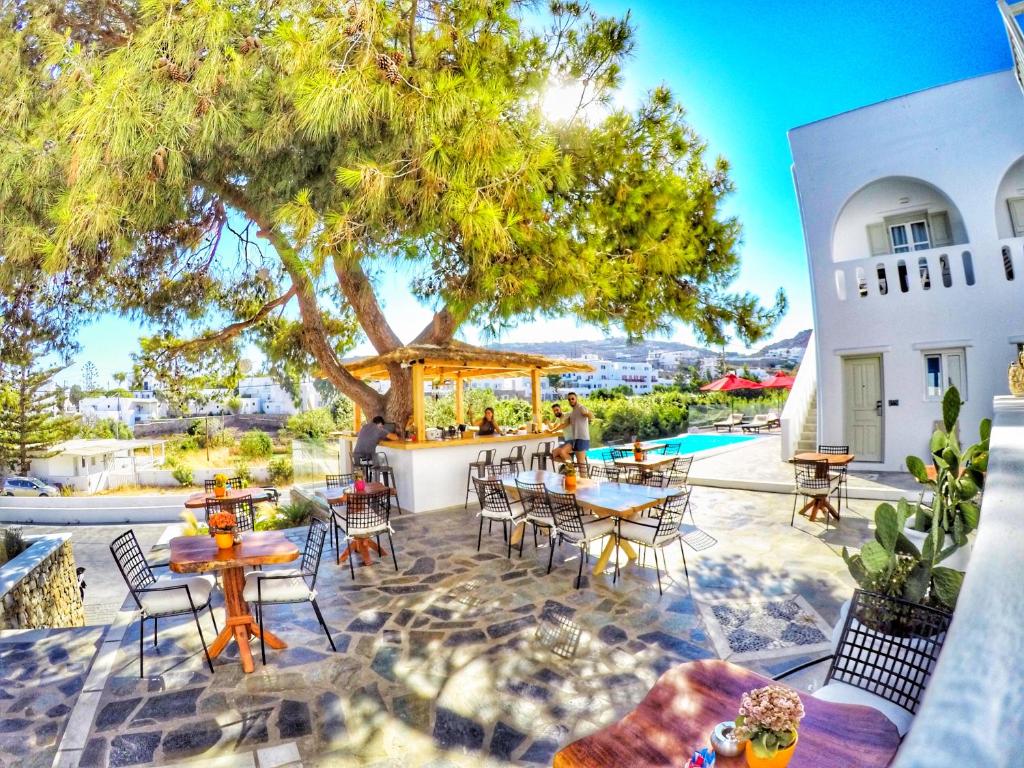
<point>440,329</point>
<point>355,285</point>
<point>230,331</point>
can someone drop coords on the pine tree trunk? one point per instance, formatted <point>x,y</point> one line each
<point>398,400</point>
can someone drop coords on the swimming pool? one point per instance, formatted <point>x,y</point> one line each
<point>688,444</point>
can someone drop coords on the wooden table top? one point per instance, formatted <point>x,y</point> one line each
<point>650,461</point>
<point>652,446</point>
<point>198,500</point>
<point>679,713</point>
<point>839,459</point>
<point>199,554</point>
<point>338,495</point>
<point>598,496</point>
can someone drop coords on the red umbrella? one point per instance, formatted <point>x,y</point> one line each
<point>778,381</point>
<point>729,383</point>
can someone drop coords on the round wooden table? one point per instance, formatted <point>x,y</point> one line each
<point>363,547</point>
<point>198,500</point>
<point>678,714</point>
<point>200,554</point>
<point>821,503</point>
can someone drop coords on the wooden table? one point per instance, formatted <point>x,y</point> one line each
<point>198,500</point>
<point>645,447</point>
<point>363,547</point>
<point>600,497</point>
<point>680,711</point>
<point>649,462</point>
<point>200,554</point>
<point>821,503</point>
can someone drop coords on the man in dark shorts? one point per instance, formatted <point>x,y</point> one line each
<point>579,424</point>
<point>370,436</point>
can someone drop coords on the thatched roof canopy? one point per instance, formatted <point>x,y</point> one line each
<point>444,361</point>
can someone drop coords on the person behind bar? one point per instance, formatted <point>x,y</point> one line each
<point>370,436</point>
<point>488,426</point>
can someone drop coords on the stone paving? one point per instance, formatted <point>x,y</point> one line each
<point>461,658</point>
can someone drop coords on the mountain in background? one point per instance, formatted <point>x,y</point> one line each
<point>800,340</point>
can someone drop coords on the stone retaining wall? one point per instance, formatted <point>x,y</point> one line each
<point>39,587</point>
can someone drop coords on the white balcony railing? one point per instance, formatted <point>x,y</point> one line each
<point>1010,13</point>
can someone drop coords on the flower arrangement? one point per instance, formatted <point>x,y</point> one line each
<point>220,480</point>
<point>769,718</point>
<point>222,522</point>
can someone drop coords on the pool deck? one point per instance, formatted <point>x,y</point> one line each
<point>755,466</point>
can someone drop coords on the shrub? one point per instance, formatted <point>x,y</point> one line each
<point>280,470</point>
<point>256,444</point>
<point>292,515</point>
<point>234,404</point>
<point>183,475</point>
<point>242,471</point>
<point>189,443</point>
<point>315,424</point>
<point>105,429</point>
<point>67,490</point>
<point>12,544</point>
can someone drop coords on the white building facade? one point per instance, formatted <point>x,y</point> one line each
<point>913,217</point>
<point>608,374</point>
<point>128,410</point>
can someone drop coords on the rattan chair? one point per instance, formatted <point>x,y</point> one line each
<point>484,459</point>
<point>542,455</point>
<point>884,656</point>
<point>163,597</point>
<point>660,532</point>
<point>242,508</point>
<point>495,505</point>
<point>516,459</point>
<point>364,516</point>
<point>812,480</point>
<point>290,585</point>
<point>839,472</point>
<point>573,526</point>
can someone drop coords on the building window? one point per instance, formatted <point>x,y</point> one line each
<point>1007,263</point>
<point>968,267</point>
<point>910,236</point>
<point>926,278</point>
<point>943,370</point>
<point>1016,206</point>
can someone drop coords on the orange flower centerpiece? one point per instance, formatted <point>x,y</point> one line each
<point>220,485</point>
<point>569,470</point>
<point>638,450</point>
<point>768,719</point>
<point>222,526</point>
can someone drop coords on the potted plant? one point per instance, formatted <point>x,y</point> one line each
<point>955,479</point>
<point>768,719</point>
<point>222,528</point>
<point>360,483</point>
<point>568,469</point>
<point>220,485</point>
<point>638,450</point>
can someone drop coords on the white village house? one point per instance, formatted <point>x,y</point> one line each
<point>98,465</point>
<point>913,216</point>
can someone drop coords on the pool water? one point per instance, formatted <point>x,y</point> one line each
<point>688,444</point>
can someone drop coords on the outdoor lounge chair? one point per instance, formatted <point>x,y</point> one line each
<point>762,421</point>
<point>734,420</point>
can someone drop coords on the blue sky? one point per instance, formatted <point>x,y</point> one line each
<point>747,72</point>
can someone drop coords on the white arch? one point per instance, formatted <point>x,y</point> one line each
<point>1011,185</point>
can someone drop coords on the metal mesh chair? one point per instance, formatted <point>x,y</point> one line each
<point>209,485</point>
<point>235,483</point>
<point>384,473</point>
<point>667,528</point>
<point>838,472</point>
<point>242,508</point>
<point>542,455</point>
<point>813,481</point>
<point>164,597</point>
<point>340,481</point>
<point>607,472</point>
<point>290,585</point>
<point>516,459</point>
<point>679,471</point>
<point>495,505</point>
<point>672,449</point>
<point>620,453</point>
<point>484,459</point>
<point>884,657</point>
<point>534,498</point>
<point>572,525</point>
<point>365,516</point>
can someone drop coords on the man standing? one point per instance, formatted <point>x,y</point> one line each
<point>369,437</point>
<point>579,424</point>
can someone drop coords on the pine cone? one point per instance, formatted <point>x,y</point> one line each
<point>398,57</point>
<point>387,65</point>
<point>159,161</point>
<point>250,44</point>
<point>203,106</point>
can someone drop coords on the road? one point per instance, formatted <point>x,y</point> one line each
<point>86,510</point>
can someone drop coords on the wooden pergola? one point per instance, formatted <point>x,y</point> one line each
<point>458,362</point>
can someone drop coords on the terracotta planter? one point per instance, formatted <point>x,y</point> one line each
<point>779,760</point>
<point>224,540</point>
<point>570,482</point>
<point>220,491</point>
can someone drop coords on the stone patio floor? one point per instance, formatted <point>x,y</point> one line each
<point>460,658</point>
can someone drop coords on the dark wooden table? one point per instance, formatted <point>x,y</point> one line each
<point>200,554</point>
<point>363,547</point>
<point>821,503</point>
<point>680,711</point>
<point>198,500</point>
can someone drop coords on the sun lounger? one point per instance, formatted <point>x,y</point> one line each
<point>733,421</point>
<point>762,421</point>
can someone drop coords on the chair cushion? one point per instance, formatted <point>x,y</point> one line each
<point>155,603</point>
<point>645,534</point>
<point>540,519</point>
<point>844,693</point>
<point>293,589</point>
<point>593,528</point>
<point>827,491</point>
<point>371,531</point>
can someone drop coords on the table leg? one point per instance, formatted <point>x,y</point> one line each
<point>609,550</point>
<point>517,533</point>
<point>240,624</point>
<point>364,548</point>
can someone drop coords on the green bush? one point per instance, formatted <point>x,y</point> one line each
<point>291,515</point>
<point>105,429</point>
<point>234,404</point>
<point>256,444</point>
<point>311,425</point>
<point>242,471</point>
<point>280,470</point>
<point>183,475</point>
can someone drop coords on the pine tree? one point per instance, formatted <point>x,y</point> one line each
<point>30,420</point>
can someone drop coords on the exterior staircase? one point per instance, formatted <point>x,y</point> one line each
<point>809,436</point>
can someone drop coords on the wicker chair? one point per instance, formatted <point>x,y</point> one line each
<point>884,656</point>
<point>290,585</point>
<point>364,516</point>
<point>812,480</point>
<point>659,533</point>
<point>495,505</point>
<point>573,526</point>
<point>838,472</point>
<point>163,597</point>
<point>484,459</point>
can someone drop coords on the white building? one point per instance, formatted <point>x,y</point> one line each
<point>608,374</point>
<point>128,410</point>
<point>913,215</point>
<point>786,353</point>
<point>669,360</point>
<point>98,465</point>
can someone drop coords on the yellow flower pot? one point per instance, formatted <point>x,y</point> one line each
<point>224,540</point>
<point>779,760</point>
<point>220,491</point>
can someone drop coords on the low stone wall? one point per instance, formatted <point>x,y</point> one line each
<point>268,422</point>
<point>39,587</point>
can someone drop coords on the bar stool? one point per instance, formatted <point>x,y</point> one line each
<point>516,458</point>
<point>541,456</point>
<point>386,475</point>
<point>484,459</point>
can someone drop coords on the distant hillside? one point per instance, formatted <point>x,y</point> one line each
<point>608,349</point>
<point>800,340</point>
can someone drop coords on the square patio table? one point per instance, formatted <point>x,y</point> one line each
<point>599,497</point>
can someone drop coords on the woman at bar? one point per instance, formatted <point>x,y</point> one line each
<point>487,427</point>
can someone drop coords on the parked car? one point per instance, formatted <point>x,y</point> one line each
<point>28,486</point>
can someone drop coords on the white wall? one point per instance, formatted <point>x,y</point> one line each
<point>961,139</point>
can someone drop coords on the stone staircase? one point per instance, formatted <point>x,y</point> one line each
<point>809,435</point>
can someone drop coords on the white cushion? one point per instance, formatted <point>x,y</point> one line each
<point>293,589</point>
<point>173,600</point>
<point>645,534</point>
<point>547,520</point>
<point>828,491</point>
<point>593,528</point>
<point>844,693</point>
